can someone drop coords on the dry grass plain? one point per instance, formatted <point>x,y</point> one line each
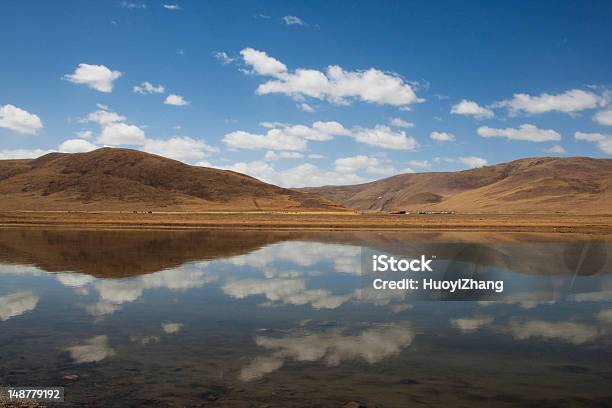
<point>311,220</point>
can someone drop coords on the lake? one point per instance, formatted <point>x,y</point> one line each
<point>290,318</point>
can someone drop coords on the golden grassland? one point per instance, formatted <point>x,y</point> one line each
<point>311,220</point>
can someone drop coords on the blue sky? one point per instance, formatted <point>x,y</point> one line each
<point>311,92</point>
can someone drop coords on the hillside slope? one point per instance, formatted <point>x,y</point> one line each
<point>123,179</point>
<point>533,185</point>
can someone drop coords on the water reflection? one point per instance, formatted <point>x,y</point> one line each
<point>256,318</point>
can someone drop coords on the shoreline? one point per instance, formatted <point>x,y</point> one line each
<point>560,223</point>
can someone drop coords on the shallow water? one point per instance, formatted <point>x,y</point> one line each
<point>277,319</point>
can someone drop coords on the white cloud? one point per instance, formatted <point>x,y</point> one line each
<point>272,155</point>
<point>172,7</point>
<point>93,350</point>
<point>383,136</point>
<point>442,136</point>
<point>178,147</point>
<point>371,165</point>
<point>97,77</point>
<point>471,108</point>
<point>132,5</point>
<point>176,100</point>
<point>19,120</point>
<point>148,88</point>
<point>316,156</point>
<point>424,164</point>
<point>17,304</point>
<point>223,57</point>
<point>570,332</point>
<point>473,161</point>
<point>524,132</point>
<point>603,141</point>
<point>84,134</point>
<point>334,85</point>
<point>605,316</point>
<point>293,20</point>
<point>77,146</point>
<point>171,328</point>
<point>470,324</point>
<point>121,134</point>
<point>104,117</point>
<point>22,153</point>
<point>306,107</point>
<point>571,101</point>
<point>304,175</point>
<point>262,64</point>
<point>399,122</point>
<point>604,118</point>
<point>555,149</point>
<point>284,137</point>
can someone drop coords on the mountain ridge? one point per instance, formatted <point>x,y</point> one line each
<point>529,185</point>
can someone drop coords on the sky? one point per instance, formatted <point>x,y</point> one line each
<point>306,93</point>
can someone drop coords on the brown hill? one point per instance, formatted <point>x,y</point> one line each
<point>533,185</point>
<point>123,179</point>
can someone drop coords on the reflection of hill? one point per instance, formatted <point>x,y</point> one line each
<point>121,253</point>
<point>107,253</point>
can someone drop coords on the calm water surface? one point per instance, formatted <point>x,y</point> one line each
<point>284,319</point>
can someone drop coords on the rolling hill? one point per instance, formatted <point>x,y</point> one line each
<point>532,185</point>
<point>121,179</point>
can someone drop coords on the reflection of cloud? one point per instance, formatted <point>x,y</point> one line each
<point>288,291</point>
<point>602,296</point>
<point>346,258</point>
<point>605,316</point>
<point>144,340</point>
<point>334,347</point>
<point>94,349</point>
<point>171,328</point>
<point>526,300</point>
<point>17,304</point>
<point>74,280</point>
<point>115,292</point>
<point>470,324</point>
<point>570,332</point>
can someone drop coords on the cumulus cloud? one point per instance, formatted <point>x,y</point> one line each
<point>333,347</point>
<point>148,88</point>
<point>442,136</point>
<point>335,85</point>
<point>304,175</point>
<point>305,107</point>
<point>173,7</point>
<point>93,350</point>
<point>424,164</point>
<point>77,146</point>
<point>603,118</point>
<point>383,136</point>
<point>471,108</point>
<point>473,161</point>
<point>570,332</point>
<point>103,117</point>
<point>524,132</point>
<point>17,304</point>
<point>84,134</point>
<point>555,149</point>
<point>284,137</point>
<point>372,165</point>
<point>272,155</point>
<point>470,324</point>
<point>571,101</point>
<point>22,153</point>
<point>603,141</point>
<point>19,120</point>
<point>178,148</point>
<point>399,122</point>
<point>97,77</point>
<point>176,100</point>
<point>121,134</point>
